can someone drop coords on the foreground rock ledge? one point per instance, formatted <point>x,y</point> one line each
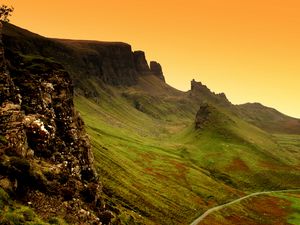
<point>45,154</point>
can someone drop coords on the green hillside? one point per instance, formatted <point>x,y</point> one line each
<point>278,208</point>
<point>158,169</point>
<point>157,166</point>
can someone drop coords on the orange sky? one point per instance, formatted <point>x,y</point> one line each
<point>248,49</point>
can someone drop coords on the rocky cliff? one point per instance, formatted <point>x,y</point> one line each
<point>156,70</point>
<point>114,63</point>
<point>141,63</point>
<point>204,94</point>
<point>45,155</point>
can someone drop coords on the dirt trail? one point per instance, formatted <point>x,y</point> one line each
<point>216,208</point>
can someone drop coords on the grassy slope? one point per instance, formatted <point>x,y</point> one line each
<point>153,162</point>
<point>279,208</point>
<point>294,212</point>
<point>268,118</point>
<point>140,167</point>
<point>157,169</point>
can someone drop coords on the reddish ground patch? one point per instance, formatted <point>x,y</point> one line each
<point>237,219</point>
<point>199,201</point>
<point>260,210</point>
<point>181,172</point>
<point>294,195</point>
<point>229,220</point>
<point>269,206</point>
<point>156,173</point>
<point>238,165</point>
<point>272,166</point>
<point>147,157</point>
<point>210,220</point>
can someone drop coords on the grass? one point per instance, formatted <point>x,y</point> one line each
<point>276,208</point>
<point>13,213</point>
<point>141,168</point>
<point>160,170</point>
<point>155,167</point>
<point>294,209</point>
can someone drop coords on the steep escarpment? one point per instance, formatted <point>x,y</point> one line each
<point>113,63</point>
<point>140,62</point>
<point>202,93</point>
<point>156,69</point>
<point>45,155</point>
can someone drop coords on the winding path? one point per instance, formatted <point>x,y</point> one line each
<point>216,208</point>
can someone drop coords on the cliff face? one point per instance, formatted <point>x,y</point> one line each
<point>203,94</point>
<point>45,155</point>
<point>141,64</point>
<point>113,62</point>
<point>156,70</point>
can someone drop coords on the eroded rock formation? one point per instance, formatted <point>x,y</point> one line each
<point>45,154</point>
<point>212,117</point>
<point>114,63</point>
<point>203,116</point>
<point>140,62</point>
<point>201,92</point>
<point>156,70</point>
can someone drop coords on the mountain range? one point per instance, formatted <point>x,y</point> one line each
<point>163,156</point>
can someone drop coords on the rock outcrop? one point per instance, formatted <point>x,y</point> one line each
<point>203,93</point>
<point>211,117</point>
<point>198,86</point>
<point>141,64</point>
<point>45,154</point>
<point>113,63</point>
<point>203,116</point>
<point>156,70</point>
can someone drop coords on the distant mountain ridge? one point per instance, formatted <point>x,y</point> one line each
<point>114,63</point>
<point>264,117</point>
<point>268,118</point>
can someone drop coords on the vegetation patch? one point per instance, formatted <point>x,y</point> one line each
<point>294,208</point>
<point>238,165</point>
<point>13,213</point>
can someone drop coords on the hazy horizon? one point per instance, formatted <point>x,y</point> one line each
<point>249,51</point>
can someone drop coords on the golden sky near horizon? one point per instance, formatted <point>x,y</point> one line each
<point>248,49</point>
